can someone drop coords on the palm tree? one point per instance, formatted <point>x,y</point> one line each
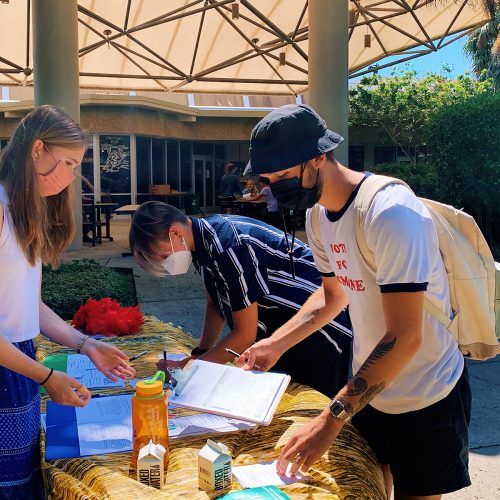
<point>483,46</point>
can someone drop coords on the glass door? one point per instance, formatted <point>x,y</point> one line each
<point>204,181</point>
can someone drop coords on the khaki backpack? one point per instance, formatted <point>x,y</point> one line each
<point>473,275</point>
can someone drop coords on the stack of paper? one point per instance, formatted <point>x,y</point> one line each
<point>264,474</point>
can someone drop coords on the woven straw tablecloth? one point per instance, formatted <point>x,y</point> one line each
<point>349,470</point>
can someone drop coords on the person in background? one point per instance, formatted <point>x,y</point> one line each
<point>251,188</point>
<point>36,225</point>
<point>229,188</point>
<point>245,266</point>
<point>270,213</point>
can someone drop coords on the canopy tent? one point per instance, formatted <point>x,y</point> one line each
<point>228,46</point>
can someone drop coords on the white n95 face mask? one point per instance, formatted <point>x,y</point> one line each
<point>177,262</point>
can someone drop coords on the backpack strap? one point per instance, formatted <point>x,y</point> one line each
<point>362,203</point>
<point>367,192</point>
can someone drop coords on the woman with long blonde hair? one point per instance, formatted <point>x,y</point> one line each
<point>36,225</point>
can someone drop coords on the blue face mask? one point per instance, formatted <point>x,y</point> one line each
<point>292,195</point>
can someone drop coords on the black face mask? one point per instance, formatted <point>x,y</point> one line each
<point>292,195</point>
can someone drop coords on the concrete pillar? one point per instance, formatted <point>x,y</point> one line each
<point>329,66</point>
<point>56,71</point>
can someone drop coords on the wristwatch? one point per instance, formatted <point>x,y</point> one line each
<point>338,410</point>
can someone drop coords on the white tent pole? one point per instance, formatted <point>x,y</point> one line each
<point>328,66</point>
<point>55,58</point>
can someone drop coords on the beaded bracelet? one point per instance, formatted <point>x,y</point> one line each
<point>79,346</point>
<point>48,376</point>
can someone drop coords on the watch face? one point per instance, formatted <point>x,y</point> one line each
<point>337,409</point>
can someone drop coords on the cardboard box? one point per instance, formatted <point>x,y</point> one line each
<point>159,189</point>
<point>150,465</point>
<point>214,467</point>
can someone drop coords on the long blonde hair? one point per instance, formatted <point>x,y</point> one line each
<point>44,226</point>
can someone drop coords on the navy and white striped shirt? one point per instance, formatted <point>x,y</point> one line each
<point>243,260</point>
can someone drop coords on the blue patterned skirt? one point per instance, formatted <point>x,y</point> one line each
<point>20,476</point>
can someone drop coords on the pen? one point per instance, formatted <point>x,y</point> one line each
<point>138,355</point>
<point>164,355</point>
<point>234,353</point>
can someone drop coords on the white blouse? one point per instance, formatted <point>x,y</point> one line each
<point>19,284</point>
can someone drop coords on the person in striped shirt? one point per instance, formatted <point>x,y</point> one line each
<point>246,270</point>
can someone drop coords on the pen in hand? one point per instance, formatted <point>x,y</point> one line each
<point>133,358</point>
<point>234,353</point>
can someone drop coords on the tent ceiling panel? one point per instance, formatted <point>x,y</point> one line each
<point>200,46</point>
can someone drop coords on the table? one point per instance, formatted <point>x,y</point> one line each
<point>348,470</point>
<point>107,208</point>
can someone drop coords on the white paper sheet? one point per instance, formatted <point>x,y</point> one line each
<point>230,391</point>
<point>82,368</point>
<point>194,425</point>
<point>264,474</point>
<point>105,425</point>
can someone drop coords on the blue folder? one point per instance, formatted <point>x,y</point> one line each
<point>61,436</point>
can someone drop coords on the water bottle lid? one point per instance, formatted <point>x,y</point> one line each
<point>151,388</point>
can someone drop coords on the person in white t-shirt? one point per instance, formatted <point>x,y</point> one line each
<point>409,395</point>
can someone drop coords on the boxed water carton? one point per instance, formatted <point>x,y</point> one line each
<point>150,465</point>
<point>214,467</point>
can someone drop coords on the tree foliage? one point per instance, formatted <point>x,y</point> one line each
<point>465,142</point>
<point>458,121</point>
<point>482,47</point>
<point>400,105</point>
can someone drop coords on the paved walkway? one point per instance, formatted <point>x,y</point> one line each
<point>181,301</point>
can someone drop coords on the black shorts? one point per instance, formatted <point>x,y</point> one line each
<point>314,361</point>
<point>427,449</point>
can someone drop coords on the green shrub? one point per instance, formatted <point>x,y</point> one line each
<point>64,290</point>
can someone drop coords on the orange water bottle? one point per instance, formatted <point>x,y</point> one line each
<point>150,415</point>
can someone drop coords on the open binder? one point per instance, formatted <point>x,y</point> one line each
<point>229,391</point>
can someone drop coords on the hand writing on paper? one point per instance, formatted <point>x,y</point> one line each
<point>164,364</point>
<point>309,443</point>
<point>261,356</point>
<point>108,359</point>
<point>67,391</point>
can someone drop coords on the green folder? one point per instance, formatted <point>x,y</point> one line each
<point>58,362</point>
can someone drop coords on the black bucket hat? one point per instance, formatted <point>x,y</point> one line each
<point>288,136</point>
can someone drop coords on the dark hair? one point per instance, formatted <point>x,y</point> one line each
<point>265,180</point>
<point>330,156</point>
<point>44,226</point>
<point>151,223</point>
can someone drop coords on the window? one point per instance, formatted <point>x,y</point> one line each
<point>384,154</point>
<point>158,157</point>
<point>143,152</point>
<point>88,170</point>
<point>357,158</point>
<point>185,166</point>
<point>115,163</point>
<point>173,164</point>
<point>203,148</point>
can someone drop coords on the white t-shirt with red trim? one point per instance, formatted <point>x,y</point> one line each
<point>402,237</point>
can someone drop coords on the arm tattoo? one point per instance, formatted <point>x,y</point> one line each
<point>380,351</point>
<point>370,394</point>
<point>357,386</point>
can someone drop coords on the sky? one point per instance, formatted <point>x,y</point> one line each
<point>452,55</point>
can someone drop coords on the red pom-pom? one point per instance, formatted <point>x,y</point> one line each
<point>107,317</point>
